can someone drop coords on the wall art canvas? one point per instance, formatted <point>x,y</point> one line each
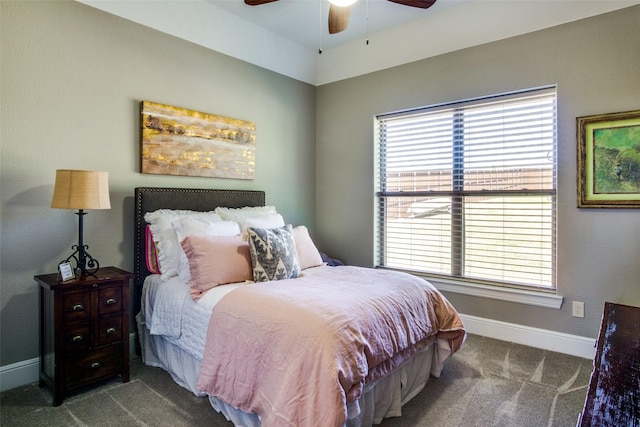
<point>177,141</point>
<point>609,160</point>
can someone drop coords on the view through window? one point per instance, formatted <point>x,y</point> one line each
<point>468,190</point>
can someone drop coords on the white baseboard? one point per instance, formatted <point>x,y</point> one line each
<point>541,338</point>
<point>19,373</point>
<point>27,371</point>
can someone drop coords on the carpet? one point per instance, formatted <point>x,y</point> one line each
<point>487,383</point>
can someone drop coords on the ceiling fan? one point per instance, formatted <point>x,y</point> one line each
<point>340,10</point>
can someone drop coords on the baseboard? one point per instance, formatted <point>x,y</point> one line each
<point>19,373</point>
<point>25,372</point>
<point>541,338</point>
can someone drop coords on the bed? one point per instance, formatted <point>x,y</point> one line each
<point>325,345</point>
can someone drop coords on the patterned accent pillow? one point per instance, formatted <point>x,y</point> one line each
<point>273,253</point>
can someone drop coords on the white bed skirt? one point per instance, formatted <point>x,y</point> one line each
<point>382,399</point>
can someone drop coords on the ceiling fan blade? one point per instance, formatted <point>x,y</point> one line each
<point>422,4</point>
<point>257,2</point>
<point>338,18</point>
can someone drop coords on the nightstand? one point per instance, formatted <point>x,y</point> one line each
<point>84,330</point>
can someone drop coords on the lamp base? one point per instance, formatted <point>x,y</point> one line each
<point>86,265</point>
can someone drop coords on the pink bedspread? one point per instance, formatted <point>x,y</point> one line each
<point>296,351</point>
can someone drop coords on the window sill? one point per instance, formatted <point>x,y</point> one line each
<point>540,299</point>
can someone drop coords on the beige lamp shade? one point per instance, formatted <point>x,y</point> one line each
<point>79,189</point>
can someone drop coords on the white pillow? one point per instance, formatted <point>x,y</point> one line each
<point>265,221</point>
<point>233,214</point>
<point>164,236</point>
<point>195,226</point>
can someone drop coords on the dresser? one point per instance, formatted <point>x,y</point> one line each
<point>84,330</point>
<point>613,398</point>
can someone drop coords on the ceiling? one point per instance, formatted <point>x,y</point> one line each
<point>285,36</point>
<point>306,21</point>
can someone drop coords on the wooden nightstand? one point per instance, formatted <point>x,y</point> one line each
<point>84,330</point>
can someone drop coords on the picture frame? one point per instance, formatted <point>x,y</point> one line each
<point>609,160</point>
<point>66,271</point>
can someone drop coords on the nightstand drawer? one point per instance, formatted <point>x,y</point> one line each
<point>85,367</point>
<point>110,330</point>
<point>110,300</point>
<point>77,306</point>
<point>77,337</point>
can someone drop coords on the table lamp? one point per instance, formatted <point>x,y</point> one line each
<point>81,190</point>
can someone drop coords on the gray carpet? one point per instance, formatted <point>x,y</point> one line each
<point>487,383</point>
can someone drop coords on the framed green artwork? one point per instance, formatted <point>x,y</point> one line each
<point>609,160</point>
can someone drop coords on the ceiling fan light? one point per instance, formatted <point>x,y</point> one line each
<point>342,3</point>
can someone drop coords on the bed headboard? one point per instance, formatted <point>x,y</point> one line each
<point>149,199</point>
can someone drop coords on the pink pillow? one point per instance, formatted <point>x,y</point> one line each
<point>151,253</point>
<point>216,260</point>
<point>308,254</point>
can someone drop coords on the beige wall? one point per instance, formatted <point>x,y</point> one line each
<point>596,65</point>
<point>72,78</point>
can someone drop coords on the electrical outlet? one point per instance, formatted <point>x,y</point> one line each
<point>578,309</point>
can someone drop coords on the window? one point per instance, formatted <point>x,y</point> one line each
<point>467,190</point>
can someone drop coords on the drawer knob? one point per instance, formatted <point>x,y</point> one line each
<point>110,301</point>
<point>77,338</point>
<point>77,307</point>
<point>95,365</point>
<point>111,330</point>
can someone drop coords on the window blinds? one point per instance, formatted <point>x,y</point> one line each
<point>468,189</point>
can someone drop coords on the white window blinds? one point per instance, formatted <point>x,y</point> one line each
<point>468,190</point>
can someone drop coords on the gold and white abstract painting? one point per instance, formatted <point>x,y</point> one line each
<point>177,141</point>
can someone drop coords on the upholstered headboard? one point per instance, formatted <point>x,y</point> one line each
<point>149,199</point>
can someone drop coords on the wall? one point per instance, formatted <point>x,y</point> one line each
<point>595,63</point>
<point>72,78</point>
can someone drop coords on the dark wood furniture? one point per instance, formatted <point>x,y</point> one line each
<point>84,330</point>
<point>613,398</point>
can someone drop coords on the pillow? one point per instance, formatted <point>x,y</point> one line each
<point>233,214</point>
<point>216,260</point>
<point>151,252</point>
<point>264,221</point>
<point>308,254</point>
<point>273,254</point>
<point>165,237</point>
<point>194,225</point>
<point>190,226</point>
